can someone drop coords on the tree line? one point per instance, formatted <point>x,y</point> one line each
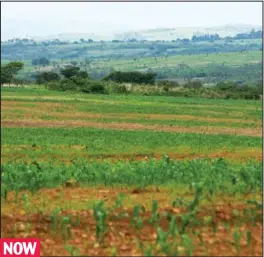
<point>253,34</point>
<point>72,78</point>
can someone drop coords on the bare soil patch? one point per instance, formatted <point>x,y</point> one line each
<point>134,126</point>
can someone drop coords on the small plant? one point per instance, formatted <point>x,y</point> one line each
<point>136,220</point>
<point>66,228</point>
<point>113,251</point>
<point>154,213</point>
<point>119,201</point>
<point>188,244</point>
<point>162,240</point>
<point>237,238</point>
<point>100,215</point>
<point>73,250</point>
<point>249,237</point>
<point>173,228</point>
<point>54,218</point>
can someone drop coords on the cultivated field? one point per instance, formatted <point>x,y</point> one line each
<point>131,175</point>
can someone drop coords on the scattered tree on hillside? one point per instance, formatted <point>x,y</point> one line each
<point>47,77</point>
<point>70,72</point>
<point>42,61</point>
<point>132,77</point>
<point>9,70</point>
<point>74,72</point>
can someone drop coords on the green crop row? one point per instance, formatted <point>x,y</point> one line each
<point>112,141</point>
<point>213,175</point>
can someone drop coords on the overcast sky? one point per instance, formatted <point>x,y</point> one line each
<point>20,19</point>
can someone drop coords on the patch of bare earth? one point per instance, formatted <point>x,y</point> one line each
<point>134,126</point>
<point>41,109</point>
<point>244,156</point>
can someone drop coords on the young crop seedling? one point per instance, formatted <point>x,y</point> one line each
<point>55,218</point>
<point>100,215</point>
<point>154,213</point>
<point>66,228</point>
<point>187,244</point>
<point>237,238</point>
<point>73,250</point>
<point>136,220</point>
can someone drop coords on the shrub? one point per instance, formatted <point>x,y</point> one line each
<point>93,86</point>
<point>166,88</point>
<point>120,89</point>
<point>168,83</point>
<point>193,84</point>
<point>226,86</point>
<point>63,85</point>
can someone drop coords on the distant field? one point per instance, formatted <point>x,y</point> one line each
<point>106,175</point>
<point>216,61</point>
<point>228,59</point>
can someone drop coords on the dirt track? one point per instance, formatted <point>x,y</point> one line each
<point>133,126</point>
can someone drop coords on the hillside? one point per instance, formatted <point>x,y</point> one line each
<point>150,34</point>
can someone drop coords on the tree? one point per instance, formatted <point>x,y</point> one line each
<point>47,77</point>
<point>43,61</point>
<point>70,72</point>
<point>83,75</point>
<point>132,77</point>
<point>6,75</point>
<point>9,70</point>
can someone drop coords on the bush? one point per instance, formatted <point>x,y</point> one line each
<point>63,85</point>
<point>166,88</point>
<point>168,83</point>
<point>119,89</point>
<point>93,86</point>
<point>193,84</point>
<point>226,86</point>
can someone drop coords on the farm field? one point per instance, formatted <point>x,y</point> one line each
<point>125,175</point>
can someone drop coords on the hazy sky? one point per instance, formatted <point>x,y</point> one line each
<point>21,19</point>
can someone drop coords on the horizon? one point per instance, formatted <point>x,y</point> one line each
<point>29,19</point>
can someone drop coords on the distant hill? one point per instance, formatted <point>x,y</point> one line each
<point>156,34</point>
<point>186,32</point>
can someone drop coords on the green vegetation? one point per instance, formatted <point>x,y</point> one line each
<point>224,59</point>
<point>213,176</point>
<point>35,142</point>
<point>131,148</point>
<point>132,77</point>
<point>9,71</point>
